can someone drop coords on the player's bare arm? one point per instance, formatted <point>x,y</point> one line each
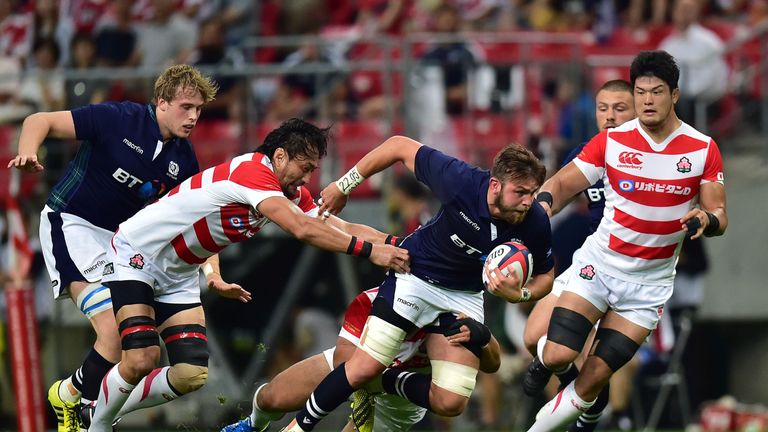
<point>395,149</point>
<point>317,233</point>
<point>508,286</point>
<point>360,231</point>
<point>216,283</point>
<point>34,130</point>
<point>711,214</point>
<point>563,186</point>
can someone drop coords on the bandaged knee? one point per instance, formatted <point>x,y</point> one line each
<point>95,298</point>
<point>454,377</point>
<point>381,340</point>
<point>186,378</point>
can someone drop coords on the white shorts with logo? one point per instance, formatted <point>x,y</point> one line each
<point>73,249</point>
<point>126,263</point>
<point>420,302</point>
<point>642,304</point>
<point>392,413</point>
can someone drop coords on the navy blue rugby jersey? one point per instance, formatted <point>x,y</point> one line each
<point>117,169</point>
<point>450,249</point>
<point>595,194</point>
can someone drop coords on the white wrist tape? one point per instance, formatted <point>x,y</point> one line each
<point>349,181</point>
<point>207,269</point>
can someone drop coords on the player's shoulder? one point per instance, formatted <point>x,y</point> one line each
<point>694,134</point>
<point>253,170</point>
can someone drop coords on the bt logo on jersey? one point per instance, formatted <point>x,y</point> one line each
<point>462,244</point>
<point>123,176</point>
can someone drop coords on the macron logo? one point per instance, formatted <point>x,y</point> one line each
<point>138,149</point>
<point>472,223</point>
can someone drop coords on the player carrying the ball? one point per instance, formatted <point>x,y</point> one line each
<point>663,180</point>
<point>480,210</point>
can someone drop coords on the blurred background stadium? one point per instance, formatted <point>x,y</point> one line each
<point>464,76</point>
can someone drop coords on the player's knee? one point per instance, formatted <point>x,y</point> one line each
<point>141,345</point>
<point>446,403</point>
<point>268,399</point>
<point>186,378</point>
<point>452,385</point>
<point>531,337</point>
<point>614,348</point>
<point>568,330</point>
<point>361,372</point>
<point>187,347</point>
<point>138,363</point>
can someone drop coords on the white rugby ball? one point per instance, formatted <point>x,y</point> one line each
<point>510,256</point>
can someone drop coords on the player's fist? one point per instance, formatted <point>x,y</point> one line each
<point>26,162</point>
<point>391,257</point>
<point>504,284</point>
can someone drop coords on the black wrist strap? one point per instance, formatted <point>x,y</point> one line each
<point>713,226</point>
<point>545,197</point>
<point>393,240</point>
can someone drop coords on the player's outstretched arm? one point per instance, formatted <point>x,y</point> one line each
<point>395,149</point>
<point>556,192</point>
<point>317,233</point>
<point>34,130</point>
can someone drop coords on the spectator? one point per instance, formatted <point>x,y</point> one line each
<point>43,87</point>
<point>116,36</point>
<point>454,58</point>
<point>16,32</point>
<point>11,108</point>
<point>50,22</point>
<point>84,91</point>
<point>211,51</point>
<point>699,54</point>
<point>166,38</point>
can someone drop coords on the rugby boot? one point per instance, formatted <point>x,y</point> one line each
<point>362,410</point>
<point>243,425</point>
<point>66,412</point>
<point>536,378</point>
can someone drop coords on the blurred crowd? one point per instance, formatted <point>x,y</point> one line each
<point>53,43</point>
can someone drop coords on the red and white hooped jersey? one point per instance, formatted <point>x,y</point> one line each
<point>208,212</point>
<point>648,188</point>
<point>412,354</point>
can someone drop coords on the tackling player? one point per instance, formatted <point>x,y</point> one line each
<point>154,258</point>
<point>662,179</point>
<point>289,390</point>
<point>480,210</point>
<point>130,155</point>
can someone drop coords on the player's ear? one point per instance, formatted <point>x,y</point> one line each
<point>494,184</point>
<point>675,95</point>
<point>280,157</point>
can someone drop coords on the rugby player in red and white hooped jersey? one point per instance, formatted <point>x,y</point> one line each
<point>663,179</point>
<point>155,256</point>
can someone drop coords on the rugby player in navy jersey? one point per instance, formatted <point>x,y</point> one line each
<point>130,154</point>
<point>614,105</point>
<point>480,210</point>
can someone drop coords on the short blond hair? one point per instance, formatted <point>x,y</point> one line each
<point>184,77</point>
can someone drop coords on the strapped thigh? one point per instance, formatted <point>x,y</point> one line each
<point>568,328</point>
<point>615,348</point>
<point>186,343</point>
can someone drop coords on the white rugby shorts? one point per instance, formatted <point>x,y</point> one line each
<point>421,303</point>
<point>73,249</point>
<point>642,304</point>
<point>126,263</point>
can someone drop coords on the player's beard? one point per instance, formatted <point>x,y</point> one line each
<point>510,214</point>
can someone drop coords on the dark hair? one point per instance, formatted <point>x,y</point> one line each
<point>659,64</point>
<point>50,43</point>
<point>296,137</point>
<point>617,85</point>
<point>515,162</point>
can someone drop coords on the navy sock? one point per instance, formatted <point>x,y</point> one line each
<point>567,376</point>
<point>328,395</point>
<point>88,377</point>
<point>408,385</point>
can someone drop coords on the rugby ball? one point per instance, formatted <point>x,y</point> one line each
<point>510,256</point>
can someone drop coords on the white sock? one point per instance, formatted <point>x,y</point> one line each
<point>113,394</point>
<point>64,392</point>
<point>260,418</point>
<point>152,390</point>
<point>561,411</point>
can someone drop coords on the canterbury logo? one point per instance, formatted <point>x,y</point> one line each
<point>630,158</point>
